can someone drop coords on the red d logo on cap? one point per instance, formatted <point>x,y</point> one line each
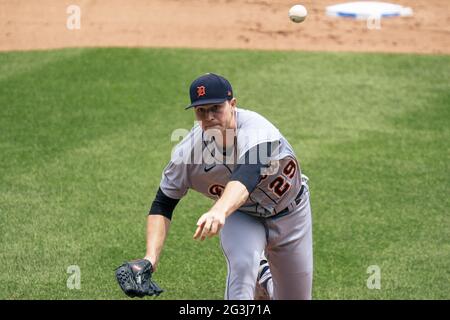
<point>201,91</point>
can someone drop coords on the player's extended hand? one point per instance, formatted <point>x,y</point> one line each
<point>209,224</point>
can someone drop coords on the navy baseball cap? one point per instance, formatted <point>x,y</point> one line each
<point>209,89</point>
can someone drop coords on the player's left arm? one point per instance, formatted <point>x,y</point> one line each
<point>244,180</point>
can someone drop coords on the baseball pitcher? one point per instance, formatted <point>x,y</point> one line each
<point>261,200</point>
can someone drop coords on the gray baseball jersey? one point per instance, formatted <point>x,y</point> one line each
<point>197,163</point>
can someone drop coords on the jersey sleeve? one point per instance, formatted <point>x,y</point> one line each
<point>248,169</point>
<point>174,181</point>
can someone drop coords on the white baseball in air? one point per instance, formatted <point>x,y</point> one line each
<point>298,13</point>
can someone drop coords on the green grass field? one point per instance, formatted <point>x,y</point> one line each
<point>85,134</point>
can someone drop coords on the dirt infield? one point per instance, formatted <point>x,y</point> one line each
<point>248,24</point>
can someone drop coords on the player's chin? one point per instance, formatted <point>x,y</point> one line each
<point>213,128</point>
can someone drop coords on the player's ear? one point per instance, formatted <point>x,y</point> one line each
<point>233,102</point>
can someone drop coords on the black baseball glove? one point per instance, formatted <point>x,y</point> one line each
<point>135,279</point>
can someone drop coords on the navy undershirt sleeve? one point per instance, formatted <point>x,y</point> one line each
<point>163,205</point>
<point>248,172</point>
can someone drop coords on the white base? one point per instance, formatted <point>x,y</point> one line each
<point>368,9</point>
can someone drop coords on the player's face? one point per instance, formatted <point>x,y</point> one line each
<point>216,116</point>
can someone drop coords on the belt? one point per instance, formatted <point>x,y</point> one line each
<point>297,201</point>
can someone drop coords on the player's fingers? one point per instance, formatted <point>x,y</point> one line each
<point>220,224</point>
<point>207,229</point>
<point>199,229</point>
<point>201,220</point>
<point>216,226</point>
<point>213,230</point>
<point>197,232</point>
